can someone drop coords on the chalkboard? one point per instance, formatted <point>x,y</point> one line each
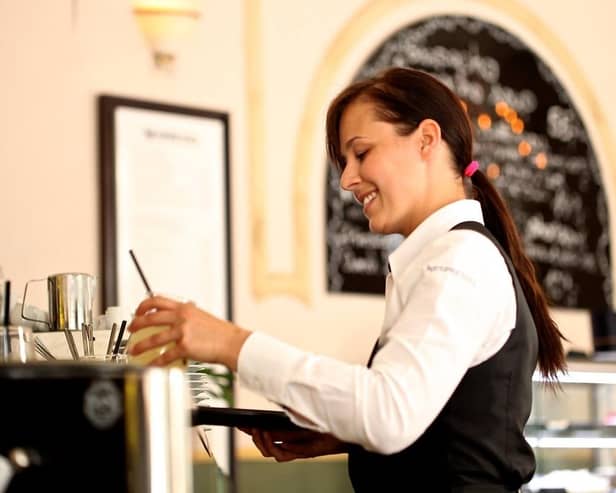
<point>530,140</point>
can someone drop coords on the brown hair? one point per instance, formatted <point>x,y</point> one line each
<point>405,97</point>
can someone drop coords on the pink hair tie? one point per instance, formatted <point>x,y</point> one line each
<point>471,168</point>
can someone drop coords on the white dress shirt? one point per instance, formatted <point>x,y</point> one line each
<point>449,305</point>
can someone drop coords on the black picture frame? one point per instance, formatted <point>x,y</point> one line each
<point>108,108</point>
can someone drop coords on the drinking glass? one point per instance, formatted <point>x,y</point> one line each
<point>150,355</point>
<point>16,344</point>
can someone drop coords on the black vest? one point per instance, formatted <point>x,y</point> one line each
<point>477,441</point>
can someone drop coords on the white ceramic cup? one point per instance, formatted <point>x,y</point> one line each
<point>115,315</point>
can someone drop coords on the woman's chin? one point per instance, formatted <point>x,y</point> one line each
<point>376,227</point>
<point>379,228</point>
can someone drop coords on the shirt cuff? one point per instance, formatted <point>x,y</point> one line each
<point>265,364</point>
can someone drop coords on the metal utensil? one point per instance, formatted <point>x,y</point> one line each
<point>84,340</point>
<point>90,339</point>
<point>114,329</point>
<point>41,349</point>
<point>43,353</point>
<point>71,343</point>
<point>116,348</point>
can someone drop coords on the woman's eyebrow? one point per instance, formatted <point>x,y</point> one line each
<point>350,141</point>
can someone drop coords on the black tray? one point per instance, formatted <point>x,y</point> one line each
<point>242,418</point>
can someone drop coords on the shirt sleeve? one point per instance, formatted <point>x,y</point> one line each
<point>446,315</point>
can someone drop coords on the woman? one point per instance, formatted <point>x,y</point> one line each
<point>442,404</point>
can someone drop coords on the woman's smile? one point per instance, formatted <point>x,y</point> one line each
<point>367,202</point>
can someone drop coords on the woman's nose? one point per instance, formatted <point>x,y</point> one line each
<point>349,177</point>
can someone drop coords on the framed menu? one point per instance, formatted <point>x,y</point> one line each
<point>165,195</point>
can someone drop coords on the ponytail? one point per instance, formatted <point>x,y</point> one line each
<point>500,223</point>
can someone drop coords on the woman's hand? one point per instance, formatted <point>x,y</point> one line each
<point>197,334</point>
<point>285,446</point>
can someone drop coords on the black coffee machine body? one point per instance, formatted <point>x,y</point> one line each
<point>95,427</point>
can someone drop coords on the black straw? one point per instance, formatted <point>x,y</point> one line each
<point>116,349</point>
<point>7,320</point>
<point>145,282</point>
<point>7,303</point>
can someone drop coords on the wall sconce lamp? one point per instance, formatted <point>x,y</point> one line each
<point>164,23</point>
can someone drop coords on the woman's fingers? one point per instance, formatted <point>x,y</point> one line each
<point>161,338</point>
<point>156,303</point>
<point>294,436</point>
<point>289,451</point>
<point>172,354</point>
<point>264,443</point>
<point>259,441</point>
<point>272,448</point>
<point>164,317</point>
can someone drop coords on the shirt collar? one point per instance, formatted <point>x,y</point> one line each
<point>435,225</point>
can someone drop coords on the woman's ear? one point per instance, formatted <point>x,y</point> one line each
<point>430,135</point>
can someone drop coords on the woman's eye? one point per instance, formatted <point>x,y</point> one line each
<point>360,155</point>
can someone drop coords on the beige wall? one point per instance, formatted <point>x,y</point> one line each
<point>58,55</point>
<point>56,61</point>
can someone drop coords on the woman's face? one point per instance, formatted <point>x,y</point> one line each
<point>384,170</point>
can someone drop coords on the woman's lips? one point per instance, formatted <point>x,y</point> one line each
<point>368,199</point>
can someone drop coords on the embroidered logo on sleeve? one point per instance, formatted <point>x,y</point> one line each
<point>450,270</point>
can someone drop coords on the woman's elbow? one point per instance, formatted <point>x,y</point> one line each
<point>390,440</point>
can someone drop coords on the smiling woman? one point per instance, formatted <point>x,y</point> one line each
<point>404,145</point>
<point>447,391</point>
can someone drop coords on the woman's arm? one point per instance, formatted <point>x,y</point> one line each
<point>197,334</point>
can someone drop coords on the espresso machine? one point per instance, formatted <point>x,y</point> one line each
<point>75,427</point>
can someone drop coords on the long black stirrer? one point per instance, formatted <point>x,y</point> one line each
<point>147,288</point>
<point>145,282</point>
<point>7,320</point>
<point>116,349</point>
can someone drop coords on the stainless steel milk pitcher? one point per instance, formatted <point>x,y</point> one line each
<point>71,296</point>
